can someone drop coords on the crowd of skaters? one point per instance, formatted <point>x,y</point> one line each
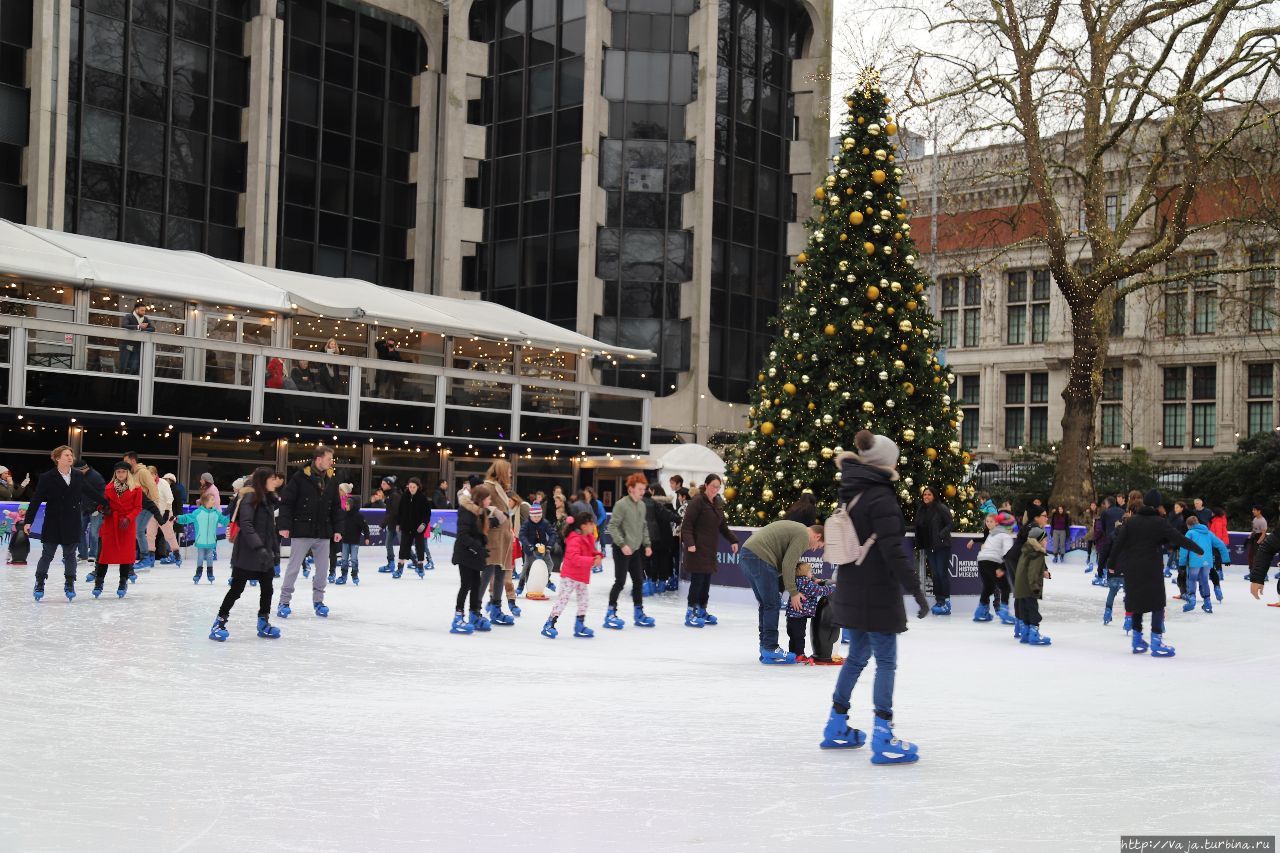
<point>1134,544</point>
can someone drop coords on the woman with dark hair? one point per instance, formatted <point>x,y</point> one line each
<point>933,536</point>
<point>413,519</point>
<point>804,510</point>
<point>255,553</point>
<point>470,555</point>
<point>1139,548</point>
<point>704,523</point>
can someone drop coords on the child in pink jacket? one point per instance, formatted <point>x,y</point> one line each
<point>580,557</point>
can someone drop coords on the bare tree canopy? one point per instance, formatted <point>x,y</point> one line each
<point>1175,103</point>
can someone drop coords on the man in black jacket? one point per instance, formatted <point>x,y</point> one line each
<point>1263,553</point>
<point>868,599</point>
<point>60,490</point>
<point>391,497</point>
<point>88,505</point>
<point>310,518</point>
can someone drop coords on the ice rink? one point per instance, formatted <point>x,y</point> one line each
<point>125,729</point>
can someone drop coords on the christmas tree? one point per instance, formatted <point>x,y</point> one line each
<point>855,345</point>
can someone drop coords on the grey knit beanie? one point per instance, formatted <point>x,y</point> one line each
<point>878,451</point>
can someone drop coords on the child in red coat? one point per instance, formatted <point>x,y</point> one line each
<point>118,536</point>
<point>580,557</point>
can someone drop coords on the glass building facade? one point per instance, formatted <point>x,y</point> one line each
<point>643,251</point>
<point>15,105</point>
<point>348,196</point>
<point>758,39</point>
<point>530,182</point>
<point>154,150</point>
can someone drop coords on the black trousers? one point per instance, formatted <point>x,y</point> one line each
<point>658,567</point>
<point>992,586</point>
<point>699,589</point>
<point>1027,609</point>
<point>797,629</point>
<point>470,587</point>
<point>239,580</point>
<point>1182,580</point>
<point>100,574</point>
<point>1157,621</point>
<point>413,545</point>
<point>624,566</point>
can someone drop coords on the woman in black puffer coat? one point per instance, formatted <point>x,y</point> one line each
<point>255,553</point>
<point>1139,548</point>
<point>868,599</point>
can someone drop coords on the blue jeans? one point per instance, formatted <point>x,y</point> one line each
<point>1115,583</point>
<point>764,583</point>
<point>206,556</point>
<point>939,562</point>
<point>862,645</point>
<point>350,557</point>
<point>1198,577</point>
<point>140,528</point>
<point>89,537</point>
<point>391,537</point>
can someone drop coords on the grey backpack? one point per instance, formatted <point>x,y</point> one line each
<point>842,545</point>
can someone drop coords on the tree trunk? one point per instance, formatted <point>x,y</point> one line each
<point>1073,477</point>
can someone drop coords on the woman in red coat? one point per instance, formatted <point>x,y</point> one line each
<point>119,538</point>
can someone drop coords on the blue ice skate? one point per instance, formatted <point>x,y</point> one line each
<point>838,735</point>
<point>275,571</point>
<point>480,623</point>
<point>133,577</point>
<point>611,620</point>
<point>1207,606</point>
<point>1158,647</point>
<point>341,581</point>
<point>387,569</point>
<point>580,629</point>
<point>549,629</point>
<point>774,657</point>
<point>1005,617</point>
<point>1019,627</point>
<point>1106,616</point>
<point>420,570</point>
<point>267,630</point>
<point>461,625</point>
<point>707,618</point>
<point>1128,623</point>
<point>647,588</point>
<point>38,592</point>
<point>97,591</point>
<point>982,614</point>
<point>321,610</point>
<point>692,620</point>
<point>673,583</point>
<point>515,611</point>
<point>397,572</point>
<point>887,749</point>
<point>942,608</point>
<point>284,611</point>
<point>1033,637</point>
<point>88,578</point>
<point>69,590</point>
<point>641,620</point>
<point>198,576</point>
<point>219,630</point>
<point>211,578</point>
<point>497,617</point>
<point>1139,644</point>
<point>1189,602</point>
<point>1217,593</point>
<point>121,591</point>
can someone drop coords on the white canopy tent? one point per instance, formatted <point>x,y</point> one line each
<point>691,461</point>
<point>56,256</point>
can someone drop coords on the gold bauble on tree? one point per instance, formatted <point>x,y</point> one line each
<point>855,218</point>
<point>878,176</point>
<point>819,194</point>
<point>802,258</point>
<point>930,453</point>
<point>950,491</point>
<point>730,493</point>
<point>766,428</point>
<point>873,292</point>
<point>789,388</point>
<point>829,330</point>
<point>869,248</point>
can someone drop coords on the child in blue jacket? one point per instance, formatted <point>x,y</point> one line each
<point>537,542</point>
<point>798,620</point>
<point>205,518</point>
<point>1198,566</point>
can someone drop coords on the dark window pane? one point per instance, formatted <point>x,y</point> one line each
<point>187,199</point>
<point>142,228</point>
<point>146,146</point>
<point>147,101</point>
<point>149,57</point>
<point>106,90</point>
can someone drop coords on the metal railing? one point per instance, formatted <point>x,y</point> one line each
<point>85,369</point>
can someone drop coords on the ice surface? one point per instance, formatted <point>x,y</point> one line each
<point>122,728</point>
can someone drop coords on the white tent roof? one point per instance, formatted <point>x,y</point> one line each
<point>89,261</point>
<point>691,461</point>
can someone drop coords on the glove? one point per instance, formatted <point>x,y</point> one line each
<point>923,604</point>
<point>123,523</point>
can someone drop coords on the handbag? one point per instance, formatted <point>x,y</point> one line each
<point>841,542</point>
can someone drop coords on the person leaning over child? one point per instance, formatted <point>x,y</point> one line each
<point>799,618</point>
<point>580,557</point>
<point>205,518</point>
